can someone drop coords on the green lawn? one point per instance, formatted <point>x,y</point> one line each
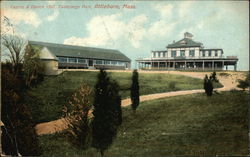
<point>182,125</point>
<point>48,98</point>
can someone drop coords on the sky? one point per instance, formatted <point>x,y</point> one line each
<point>133,27</point>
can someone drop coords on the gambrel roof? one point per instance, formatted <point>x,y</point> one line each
<point>81,52</point>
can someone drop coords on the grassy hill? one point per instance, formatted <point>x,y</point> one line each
<point>183,125</point>
<point>48,98</point>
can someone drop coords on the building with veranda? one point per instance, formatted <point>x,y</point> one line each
<point>59,56</point>
<point>187,54</point>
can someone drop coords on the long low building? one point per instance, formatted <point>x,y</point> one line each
<point>59,56</point>
<point>187,54</point>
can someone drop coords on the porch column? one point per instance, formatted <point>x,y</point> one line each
<point>185,65</point>
<point>226,67</point>
<point>213,65</point>
<point>235,66</point>
<point>203,65</point>
<point>158,65</point>
<point>174,65</point>
<point>222,65</point>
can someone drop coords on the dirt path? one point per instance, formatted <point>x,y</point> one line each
<point>229,82</point>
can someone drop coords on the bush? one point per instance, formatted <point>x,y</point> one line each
<point>19,136</point>
<point>209,83</point>
<point>208,86</point>
<point>172,85</point>
<point>213,77</point>
<point>224,74</point>
<point>244,83</point>
<point>78,117</point>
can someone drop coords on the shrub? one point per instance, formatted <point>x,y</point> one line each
<point>208,86</point>
<point>19,136</point>
<point>209,83</point>
<point>244,83</point>
<point>213,77</point>
<point>224,74</point>
<point>78,117</point>
<point>172,85</point>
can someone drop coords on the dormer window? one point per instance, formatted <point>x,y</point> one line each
<point>183,42</point>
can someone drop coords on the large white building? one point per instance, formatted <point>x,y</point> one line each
<point>187,54</point>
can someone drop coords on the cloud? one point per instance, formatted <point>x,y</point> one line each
<point>107,30</point>
<point>137,30</point>
<point>165,11</point>
<point>185,8</point>
<point>160,28</point>
<point>53,16</point>
<point>18,16</point>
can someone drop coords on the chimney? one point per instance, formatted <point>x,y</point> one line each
<point>188,35</point>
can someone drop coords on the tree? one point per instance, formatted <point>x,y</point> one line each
<point>33,67</point>
<point>134,91</point>
<point>78,117</point>
<point>15,46</point>
<point>19,136</point>
<point>107,112</point>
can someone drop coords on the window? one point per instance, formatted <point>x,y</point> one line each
<point>216,53</point>
<point>121,63</point>
<point>113,62</point>
<point>209,53</point>
<point>62,59</point>
<point>173,53</point>
<point>81,60</point>
<point>106,62</point>
<point>72,60</point>
<point>98,62</point>
<point>182,53</point>
<point>191,53</point>
<point>159,54</point>
<point>203,53</point>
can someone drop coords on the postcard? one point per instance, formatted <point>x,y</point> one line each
<point>125,78</point>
